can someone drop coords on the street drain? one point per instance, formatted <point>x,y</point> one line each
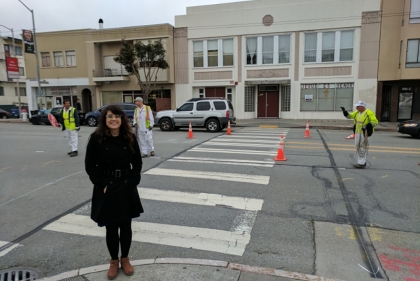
<point>19,274</point>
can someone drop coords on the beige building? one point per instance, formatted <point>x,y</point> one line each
<point>79,64</point>
<point>399,61</point>
<point>294,59</point>
<point>8,86</point>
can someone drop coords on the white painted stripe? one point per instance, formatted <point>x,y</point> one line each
<point>237,144</point>
<point>245,141</point>
<point>213,240</point>
<point>205,199</point>
<point>4,252</point>
<point>244,222</point>
<point>221,161</point>
<point>209,175</point>
<point>227,160</point>
<point>258,134</point>
<point>232,151</point>
<point>249,137</point>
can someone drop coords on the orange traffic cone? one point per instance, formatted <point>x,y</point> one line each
<point>190,132</point>
<point>352,136</point>
<point>280,152</point>
<point>229,131</point>
<point>307,133</point>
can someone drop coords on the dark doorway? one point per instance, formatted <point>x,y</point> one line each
<point>268,101</point>
<point>86,100</point>
<point>386,103</point>
<point>215,92</point>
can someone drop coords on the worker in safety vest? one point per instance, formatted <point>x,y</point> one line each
<point>364,123</point>
<point>69,120</point>
<point>144,121</point>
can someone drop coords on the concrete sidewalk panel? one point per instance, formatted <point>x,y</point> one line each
<point>191,261</point>
<point>247,276</point>
<point>172,272</point>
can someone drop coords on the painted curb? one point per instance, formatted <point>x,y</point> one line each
<point>204,262</point>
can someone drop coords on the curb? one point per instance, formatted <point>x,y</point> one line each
<point>182,261</point>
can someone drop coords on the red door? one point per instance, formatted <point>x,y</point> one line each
<point>215,92</point>
<point>268,104</point>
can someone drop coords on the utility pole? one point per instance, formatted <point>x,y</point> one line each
<point>36,55</point>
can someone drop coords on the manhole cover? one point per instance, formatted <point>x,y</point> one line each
<point>19,274</point>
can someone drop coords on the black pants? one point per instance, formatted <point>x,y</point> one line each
<point>113,240</point>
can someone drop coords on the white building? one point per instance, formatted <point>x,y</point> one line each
<point>8,87</point>
<point>294,59</point>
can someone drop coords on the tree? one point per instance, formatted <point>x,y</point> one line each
<point>146,59</point>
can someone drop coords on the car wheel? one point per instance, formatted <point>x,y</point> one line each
<point>91,121</point>
<point>4,117</point>
<point>34,122</point>
<point>165,124</point>
<point>212,125</point>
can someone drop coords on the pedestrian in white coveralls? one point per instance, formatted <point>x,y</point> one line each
<point>144,121</point>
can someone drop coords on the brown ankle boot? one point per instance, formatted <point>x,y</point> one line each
<point>126,266</point>
<point>113,269</point>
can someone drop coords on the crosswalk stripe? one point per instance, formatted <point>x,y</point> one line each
<point>205,199</point>
<point>4,252</point>
<point>244,141</point>
<point>232,151</point>
<point>257,134</point>
<point>249,137</point>
<point>214,240</point>
<point>222,161</point>
<point>237,144</point>
<point>209,175</point>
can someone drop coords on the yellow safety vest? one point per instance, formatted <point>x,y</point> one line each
<point>363,119</point>
<point>136,115</point>
<point>69,120</point>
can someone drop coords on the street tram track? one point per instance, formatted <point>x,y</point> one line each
<point>355,218</point>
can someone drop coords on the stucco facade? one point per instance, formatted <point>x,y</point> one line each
<point>275,72</point>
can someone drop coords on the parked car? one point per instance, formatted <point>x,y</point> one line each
<point>4,114</point>
<point>42,116</point>
<point>92,117</point>
<point>410,127</point>
<point>210,113</point>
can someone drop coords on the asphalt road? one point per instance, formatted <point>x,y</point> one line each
<point>222,197</point>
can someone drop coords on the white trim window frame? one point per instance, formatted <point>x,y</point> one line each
<point>70,58</point>
<point>340,49</point>
<point>274,53</point>
<point>213,53</point>
<point>413,53</point>
<point>415,11</point>
<point>58,59</point>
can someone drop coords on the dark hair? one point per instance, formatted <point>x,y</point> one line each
<point>125,130</point>
<point>64,101</point>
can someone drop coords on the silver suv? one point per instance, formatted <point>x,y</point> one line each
<point>213,114</point>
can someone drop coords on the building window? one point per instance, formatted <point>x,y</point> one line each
<point>21,71</point>
<point>326,97</point>
<point>45,59</point>
<point>413,53</point>
<point>198,54</point>
<point>415,11</point>
<point>268,49</point>
<point>284,48</point>
<point>18,51</point>
<point>1,92</point>
<point>251,50</point>
<point>213,53</point>
<point>22,92</point>
<point>249,99</point>
<point>399,60</point>
<point>58,59</point>
<point>285,98</point>
<point>336,46</point>
<point>70,58</point>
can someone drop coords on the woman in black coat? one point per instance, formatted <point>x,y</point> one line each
<point>113,163</point>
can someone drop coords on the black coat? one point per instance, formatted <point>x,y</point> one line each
<point>121,201</point>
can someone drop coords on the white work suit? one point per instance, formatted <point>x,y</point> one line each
<point>144,135</point>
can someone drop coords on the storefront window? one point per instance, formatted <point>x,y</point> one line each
<point>111,97</point>
<point>326,97</point>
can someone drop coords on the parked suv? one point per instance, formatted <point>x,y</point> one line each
<point>213,114</point>
<point>92,117</point>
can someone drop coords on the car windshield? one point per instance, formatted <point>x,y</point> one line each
<point>47,111</point>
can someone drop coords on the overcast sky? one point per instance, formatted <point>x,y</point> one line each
<point>53,15</point>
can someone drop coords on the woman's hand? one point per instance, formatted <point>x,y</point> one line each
<point>105,189</point>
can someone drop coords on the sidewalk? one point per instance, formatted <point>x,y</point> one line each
<point>283,123</point>
<point>171,269</point>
